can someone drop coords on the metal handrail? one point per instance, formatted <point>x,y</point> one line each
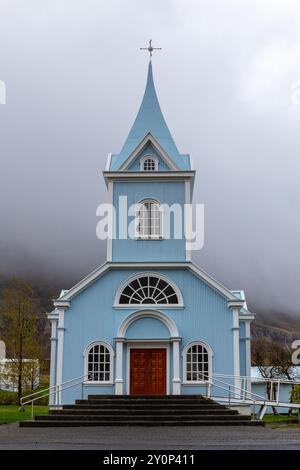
<point>58,388</point>
<point>262,379</point>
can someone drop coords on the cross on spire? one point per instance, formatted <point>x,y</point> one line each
<point>150,49</point>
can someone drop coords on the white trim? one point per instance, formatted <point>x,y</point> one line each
<point>53,359</point>
<point>111,228</point>
<point>145,141</point>
<point>187,200</point>
<point>167,321</point>
<point>146,345</point>
<point>210,359</point>
<point>236,345</point>
<point>108,162</point>
<point>60,350</point>
<point>176,381</point>
<point>248,353</point>
<point>154,274</point>
<point>119,368</point>
<point>111,371</point>
<point>148,157</point>
<point>148,175</point>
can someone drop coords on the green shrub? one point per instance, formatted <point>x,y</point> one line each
<point>295,394</point>
<point>8,398</point>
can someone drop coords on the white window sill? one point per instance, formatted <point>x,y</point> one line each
<point>149,238</point>
<point>150,306</point>
<point>203,382</point>
<point>94,383</point>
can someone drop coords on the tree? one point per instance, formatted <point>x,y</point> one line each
<point>274,361</point>
<point>19,325</point>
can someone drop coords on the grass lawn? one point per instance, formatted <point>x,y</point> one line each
<point>276,419</point>
<point>11,413</point>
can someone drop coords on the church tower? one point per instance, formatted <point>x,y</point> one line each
<point>155,180</point>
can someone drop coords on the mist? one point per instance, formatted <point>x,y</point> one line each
<point>228,81</point>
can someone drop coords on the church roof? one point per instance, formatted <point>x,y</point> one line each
<point>150,119</point>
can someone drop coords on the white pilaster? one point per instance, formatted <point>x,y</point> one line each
<point>235,306</point>
<point>53,359</point>
<point>248,354</point>
<point>187,200</point>
<point>176,373</point>
<point>119,367</point>
<point>60,350</point>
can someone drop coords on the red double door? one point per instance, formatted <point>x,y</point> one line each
<point>148,372</point>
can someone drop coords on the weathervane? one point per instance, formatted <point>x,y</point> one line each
<point>150,49</point>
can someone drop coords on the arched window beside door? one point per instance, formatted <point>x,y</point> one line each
<point>197,363</point>
<point>99,363</point>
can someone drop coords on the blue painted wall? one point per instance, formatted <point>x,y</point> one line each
<point>132,250</point>
<point>91,317</point>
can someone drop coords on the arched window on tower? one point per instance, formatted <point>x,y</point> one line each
<point>149,220</point>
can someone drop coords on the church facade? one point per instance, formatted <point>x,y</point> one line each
<point>148,321</point>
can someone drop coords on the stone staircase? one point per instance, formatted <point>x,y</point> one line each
<point>111,410</point>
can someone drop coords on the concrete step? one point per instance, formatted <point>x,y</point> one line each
<point>142,423</point>
<point>148,417</point>
<point>141,401</point>
<point>123,411</point>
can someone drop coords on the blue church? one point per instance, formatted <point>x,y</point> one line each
<point>148,321</point>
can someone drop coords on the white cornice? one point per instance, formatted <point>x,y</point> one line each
<point>150,176</point>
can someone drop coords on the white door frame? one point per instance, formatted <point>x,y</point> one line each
<point>144,344</point>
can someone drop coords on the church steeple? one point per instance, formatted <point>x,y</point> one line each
<point>150,120</point>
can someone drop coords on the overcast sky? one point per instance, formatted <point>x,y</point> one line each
<point>228,81</point>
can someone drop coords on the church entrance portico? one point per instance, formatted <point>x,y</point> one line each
<point>143,365</point>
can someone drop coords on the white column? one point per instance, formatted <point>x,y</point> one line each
<point>235,307</point>
<point>119,367</point>
<point>248,354</point>
<point>53,359</point>
<point>60,350</point>
<point>176,373</point>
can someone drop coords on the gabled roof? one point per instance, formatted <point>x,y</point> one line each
<point>104,268</point>
<point>150,120</point>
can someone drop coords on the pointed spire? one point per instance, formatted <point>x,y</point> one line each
<point>149,119</point>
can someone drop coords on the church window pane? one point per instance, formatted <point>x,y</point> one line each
<point>99,363</point>
<point>149,220</point>
<point>149,164</point>
<point>197,363</point>
<point>148,290</point>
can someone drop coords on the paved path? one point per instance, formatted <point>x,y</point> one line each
<point>215,437</point>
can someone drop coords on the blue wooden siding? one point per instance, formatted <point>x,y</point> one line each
<point>132,250</point>
<point>148,150</point>
<point>91,317</point>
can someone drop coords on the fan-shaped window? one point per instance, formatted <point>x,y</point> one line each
<point>197,362</point>
<point>149,290</point>
<point>99,361</point>
<point>149,220</point>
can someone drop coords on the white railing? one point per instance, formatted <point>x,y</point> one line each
<point>240,394</point>
<point>53,390</point>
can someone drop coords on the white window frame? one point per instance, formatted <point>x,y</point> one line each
<point>148,157</point>
<point>139,205</point>
<point>177,291</point>
<point>111,361</point>
<point>210,359</point>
